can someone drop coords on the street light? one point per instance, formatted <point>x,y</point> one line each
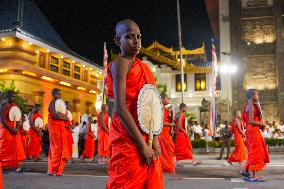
<point>228,69</point>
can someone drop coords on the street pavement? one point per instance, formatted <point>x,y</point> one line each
<point>211,174</point>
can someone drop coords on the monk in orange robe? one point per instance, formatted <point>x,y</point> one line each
<point>133,164</point>
<point>1,175</point>
<point>11,146</point>
<point>89,149</point>
<point>24,137</point>
<point>103,135</point>
<point>166,140</point>
<point>183,148</point>
<point>68,129</point>
<point>239,153</point>
<point>35,134</point>
<point>58,150</point>
<point>257,151</point>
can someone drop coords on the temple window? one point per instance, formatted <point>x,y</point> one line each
<point>66,68</point>
<point>54,64</point>
<point>200,81</point>
<point>77,72</point>
<point>178,83</point>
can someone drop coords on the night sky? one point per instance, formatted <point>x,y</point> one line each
<point>85,24</point>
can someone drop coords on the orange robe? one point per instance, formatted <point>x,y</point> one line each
<point>183,148</point>
<point>58,151</point>
<point>167,144</point>
<point>257,151</point>
<point>24,137</point>
<point>1,177</point>
<point>34,147</point>
<point>89,149</point>
<point>69,136</point>
<point>103,138</point>
<point>239,153</point>
<point>128,168</point>
<point>12,151</point>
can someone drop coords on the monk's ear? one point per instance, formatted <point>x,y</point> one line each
<point>117,41</point>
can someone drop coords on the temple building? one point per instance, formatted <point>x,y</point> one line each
<point>36,59</point>
<point>251,33</point>
<point>164,63</point>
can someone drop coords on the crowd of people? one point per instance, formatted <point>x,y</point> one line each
<point>133,163</point>
<point>201,131</point>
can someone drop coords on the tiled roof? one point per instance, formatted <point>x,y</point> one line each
<point>32,23</point>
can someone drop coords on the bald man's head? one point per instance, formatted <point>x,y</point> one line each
<point>123,26</point>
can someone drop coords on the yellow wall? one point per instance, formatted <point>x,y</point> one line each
<point>17,56</point>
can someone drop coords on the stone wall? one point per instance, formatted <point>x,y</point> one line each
<point>260,72</point>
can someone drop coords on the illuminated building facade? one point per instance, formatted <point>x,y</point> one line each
<point>164,63</point>
<point>34,56</point>
<point>257,46</point>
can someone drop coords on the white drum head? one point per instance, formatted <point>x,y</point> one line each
<point>69,115</point>
<point>150,108</point>
<point>15,113</point>
<point>39,122</point>
<point>26,125</point>
<point>60,106</point>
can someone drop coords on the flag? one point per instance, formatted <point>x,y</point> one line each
<point>212,7</point>
<point>105,62</point>
<point>212,112</point>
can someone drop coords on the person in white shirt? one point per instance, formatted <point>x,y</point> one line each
<point>206,133</point>
<point>281,126</point>
<point>278,134</point>
<point>266,133</point>
<point>271,130</point>
<point>197,131</point>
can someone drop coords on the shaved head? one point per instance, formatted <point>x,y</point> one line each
<point>123,26</point>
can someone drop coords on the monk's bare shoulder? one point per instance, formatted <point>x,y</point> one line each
<point>119,65</point>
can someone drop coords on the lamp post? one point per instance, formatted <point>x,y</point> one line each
<point>180,51</point>
<point>228,69</point>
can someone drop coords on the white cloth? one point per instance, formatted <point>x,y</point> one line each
<point>271,131</point>
<point>197,129</point>
<point>95,131</point>
<point>75,134</point>
<point>207,137</point>
<point>281,128</point>
<point>278,136</point>
<point>266,134</point>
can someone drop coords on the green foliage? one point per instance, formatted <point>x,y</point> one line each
<point>162,88</point>
<point>198,143</point>
<point>190,116</point>
<point>20,102</point>
<point>274,142</point>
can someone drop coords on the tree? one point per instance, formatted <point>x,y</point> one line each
<point>162,88</point>
<point>20,101</point>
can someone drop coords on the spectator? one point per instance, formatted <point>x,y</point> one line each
<point>81,141</point>
<point>271,130</point>
<point>281,126</point>
<point>206,133</point>
<point>278,134</point>
<point>226,135</point>
<point>265,133</point>
<point>197,129</point>
<point>75,135</point>
<point>45,140</point>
